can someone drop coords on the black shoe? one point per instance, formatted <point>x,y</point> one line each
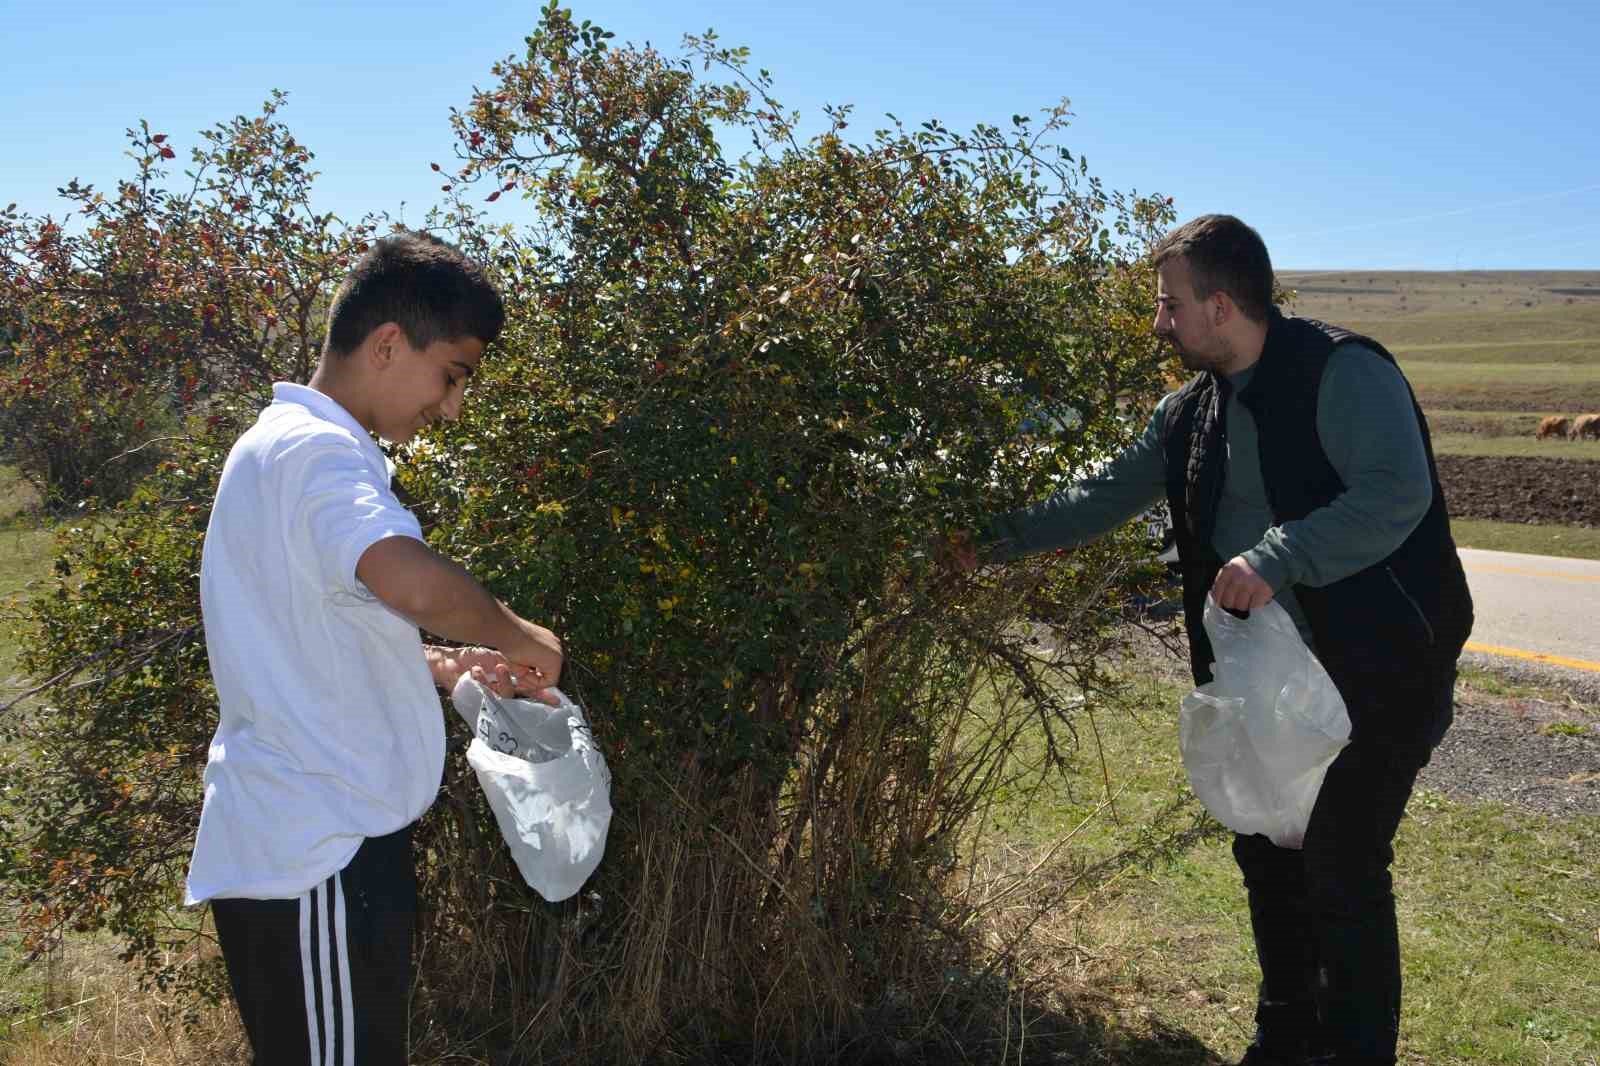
<point>1256,1055</point>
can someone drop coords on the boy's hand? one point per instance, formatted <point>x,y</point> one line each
<point>536,658</point>
<point>491,670</point>
<point>506,681</point>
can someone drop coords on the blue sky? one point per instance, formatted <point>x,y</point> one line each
<point>1412,134</point>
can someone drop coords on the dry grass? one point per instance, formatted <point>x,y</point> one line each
<point>18,498</point>
<point>1404,308</point>
<point>627,966</point>
<point>89,1010</point>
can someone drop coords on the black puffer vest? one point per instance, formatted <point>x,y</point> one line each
<point>1386,621</point>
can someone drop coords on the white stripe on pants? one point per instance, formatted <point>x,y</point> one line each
<point>323,939</point>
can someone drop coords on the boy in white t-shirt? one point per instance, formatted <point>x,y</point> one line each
<point>313,583</point>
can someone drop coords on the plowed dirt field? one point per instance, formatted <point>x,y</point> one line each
<point>1563,492</point>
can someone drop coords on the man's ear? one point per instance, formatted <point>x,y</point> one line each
<point>1221,307</point>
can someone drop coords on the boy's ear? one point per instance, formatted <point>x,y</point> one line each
<point>383,345</point>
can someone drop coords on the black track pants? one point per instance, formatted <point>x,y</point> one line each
<point>323,980</point>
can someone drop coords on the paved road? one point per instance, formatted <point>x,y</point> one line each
<point>1536,607</point>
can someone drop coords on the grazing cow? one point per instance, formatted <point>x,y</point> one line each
<point>1554,426</point>
<point>1585,426</point>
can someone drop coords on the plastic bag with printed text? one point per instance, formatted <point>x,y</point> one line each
<point>1258,738</point>
<point>546,782</point>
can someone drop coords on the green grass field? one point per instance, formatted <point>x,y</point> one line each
<point>1580,351</point>
<point>1489,421</point>
<point>27,544</point>
<point>1518,445</point>
<point>25,556</point>
<point>1569,541</point>
<point>1481,319</point>
<point>1451,329</point>
<point>1569,388</point>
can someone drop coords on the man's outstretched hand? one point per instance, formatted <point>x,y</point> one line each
<point>956,552</point>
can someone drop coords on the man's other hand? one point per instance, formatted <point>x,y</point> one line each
<point>1239,587</point>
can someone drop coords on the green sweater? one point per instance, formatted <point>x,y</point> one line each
<point>1365,421</point>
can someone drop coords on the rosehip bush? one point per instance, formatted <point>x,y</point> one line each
<point>739,400</point>
<point>144,304</point>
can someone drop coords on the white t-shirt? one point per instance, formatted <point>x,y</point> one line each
<point>330,728</point>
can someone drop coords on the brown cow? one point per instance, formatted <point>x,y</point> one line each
<point>1585,426</point>
<point>1554,426</point>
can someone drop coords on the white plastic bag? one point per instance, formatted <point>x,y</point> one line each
<point>546,782</point>
<point>1258,738</point>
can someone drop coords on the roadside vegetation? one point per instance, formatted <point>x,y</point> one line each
<point>1574,542</point>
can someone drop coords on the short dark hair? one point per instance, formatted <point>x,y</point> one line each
<point>423,284</point>
<point>1223,254</point>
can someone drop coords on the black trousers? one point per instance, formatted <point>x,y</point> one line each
<point>1324,916</point>
<point>324,980</point>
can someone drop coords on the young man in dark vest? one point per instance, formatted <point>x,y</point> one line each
<point>1298,467</point>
